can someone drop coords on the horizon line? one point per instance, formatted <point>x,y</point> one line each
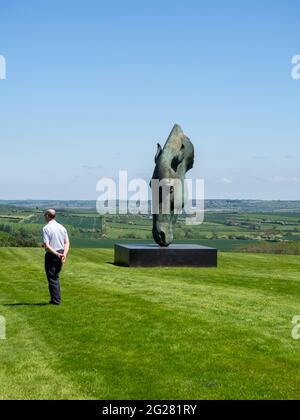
<point>95,200</point>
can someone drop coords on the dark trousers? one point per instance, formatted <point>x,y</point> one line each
<point>53,266</point>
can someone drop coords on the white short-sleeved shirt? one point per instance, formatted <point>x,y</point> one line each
<point>55,235</point>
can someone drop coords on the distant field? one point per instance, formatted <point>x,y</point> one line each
<point>80,221</point>
<point>150,333</point>
<point>228,230</point>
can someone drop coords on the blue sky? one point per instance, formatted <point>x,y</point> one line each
<point>93,85</point>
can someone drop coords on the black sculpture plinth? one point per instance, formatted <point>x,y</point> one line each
<point>174,256</point>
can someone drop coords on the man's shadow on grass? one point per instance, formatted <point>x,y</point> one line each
<point>24,304</point>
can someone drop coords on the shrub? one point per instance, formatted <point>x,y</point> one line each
<point>289,248</point>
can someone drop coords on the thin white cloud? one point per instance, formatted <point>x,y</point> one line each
<point>291,157</point>
<point>259,157</point>
<point>225,181</point>
<point>285,179</point>
<point>92,167</point>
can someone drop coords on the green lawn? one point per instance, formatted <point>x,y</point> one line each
<point>150,334</point>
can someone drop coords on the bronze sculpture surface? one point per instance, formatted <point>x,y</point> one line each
<point>172,163</point>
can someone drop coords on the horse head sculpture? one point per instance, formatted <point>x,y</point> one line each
<point>172,163</point>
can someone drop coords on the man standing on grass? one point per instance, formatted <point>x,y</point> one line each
<point>56,243</point>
